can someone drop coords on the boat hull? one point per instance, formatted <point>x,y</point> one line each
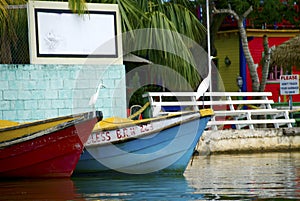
<point>53,152</point>
<point>167,150</point>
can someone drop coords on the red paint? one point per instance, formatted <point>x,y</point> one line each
<point>256,49</point>
<point>51,155</point>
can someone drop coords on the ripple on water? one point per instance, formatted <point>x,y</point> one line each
<point>268,175</point>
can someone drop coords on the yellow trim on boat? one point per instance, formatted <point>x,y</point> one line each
<point>113,123</point>
<point>24,131</point>
<point>206,112</point>
<point>7,123</point>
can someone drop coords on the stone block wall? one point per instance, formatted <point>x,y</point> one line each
<point>34,92</point>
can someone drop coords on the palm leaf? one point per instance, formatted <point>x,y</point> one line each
<point>162,44</point>
<point>131,15</point>
<point>77,6</point>
<point>185,21</point>
<point>19,21</point>
<point>8,33</point>
<point>3,10</point>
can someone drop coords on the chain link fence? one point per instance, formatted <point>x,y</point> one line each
<point>14,36</point>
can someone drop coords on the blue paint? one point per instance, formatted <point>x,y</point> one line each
<point>166,145</point>
<point>243,65</point>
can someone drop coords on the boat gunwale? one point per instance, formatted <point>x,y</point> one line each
<point>79,118</point>
<point>126,139</point>
<point>130,123</point>
<point>87,115</point>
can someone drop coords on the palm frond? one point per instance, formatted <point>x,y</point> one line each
<point>131,14</point>
<point>161,43</point>
<point>3,10</point>
<point>20,50</point>
<point>185,21</point>
<point>170,30</point>
<point>8,33</point>
<point>161,34</point>
<point>77,6</point>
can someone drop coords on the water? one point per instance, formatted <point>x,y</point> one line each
<point>268,176</point>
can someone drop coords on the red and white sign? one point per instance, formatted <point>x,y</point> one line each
<point>289,84</point>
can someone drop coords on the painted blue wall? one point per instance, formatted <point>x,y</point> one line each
<point>34,92</point>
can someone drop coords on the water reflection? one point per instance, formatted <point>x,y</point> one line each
<point>100,187</point>
<point>38,189</point>
<point>130,187</point>
<point>268,175</point>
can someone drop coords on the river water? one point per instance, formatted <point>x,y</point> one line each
<point>267,176</point>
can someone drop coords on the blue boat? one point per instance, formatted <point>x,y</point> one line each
<point>155,145</point>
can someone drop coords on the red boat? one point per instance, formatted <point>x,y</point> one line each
<point>47,148</point>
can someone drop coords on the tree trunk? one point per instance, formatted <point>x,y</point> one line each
<point>266,63</point>
<point>251,65</point>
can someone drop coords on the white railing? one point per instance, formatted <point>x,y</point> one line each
<point>241,109</point>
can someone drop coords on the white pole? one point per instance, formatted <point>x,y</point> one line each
<point>208,45</point>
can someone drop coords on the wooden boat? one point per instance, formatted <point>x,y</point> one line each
<point>46,148</point>
<point>155,145</point>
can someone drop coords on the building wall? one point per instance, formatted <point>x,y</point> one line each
<point>34,92</point>
<point>227,44</point>
<point>256,49</point>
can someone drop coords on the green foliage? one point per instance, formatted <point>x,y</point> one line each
<point>265,12</point>
<point>77,6</point>
<point>10,19</point>
<point>137,96</point>
<point>132,15</point>
<point>19,23</point>
<point>157,15</point>
<point>269,12</point>
<point>3,11</point>
<point>290,13</point>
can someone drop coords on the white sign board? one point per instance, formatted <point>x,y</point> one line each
<point>59,36</point>
<point>289,84</point>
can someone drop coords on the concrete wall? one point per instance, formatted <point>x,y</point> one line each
<point>34,92</point>
<point>249,140</point>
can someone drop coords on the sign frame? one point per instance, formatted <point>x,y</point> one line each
<point>59,36</point>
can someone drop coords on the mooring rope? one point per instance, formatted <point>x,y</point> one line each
<point>139,111</point>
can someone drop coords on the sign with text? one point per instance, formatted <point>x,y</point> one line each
<point>289,84</point>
